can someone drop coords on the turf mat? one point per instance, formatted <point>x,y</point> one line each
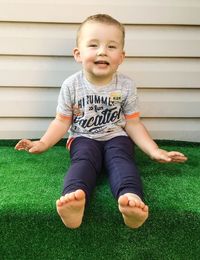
<point>31,229</point>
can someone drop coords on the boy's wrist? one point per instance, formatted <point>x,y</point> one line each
<point>45,145</point>
<point>153,151</point>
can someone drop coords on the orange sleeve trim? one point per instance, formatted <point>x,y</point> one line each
<point>135,115</point>
<point>69,142</point>
<point>60,116</point>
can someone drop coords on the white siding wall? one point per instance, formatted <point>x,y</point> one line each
<point>163,56</point>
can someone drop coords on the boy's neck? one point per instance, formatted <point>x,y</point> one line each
<point>98,81</point>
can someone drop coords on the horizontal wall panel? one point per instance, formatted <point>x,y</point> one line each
<point>163,72</point>
<point>163,41</point>
<point>129,11</point>
<point>166,129</point>
<point>17,128</point>
<point>174,129</point>
<point>35,71</point>
<point>42,102</point>
<point>169,103</point>
<point>22,102</point>
<point>59,40</point>
<point>51,71</point>
<point>37,39</point>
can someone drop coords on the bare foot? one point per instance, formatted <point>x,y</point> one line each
<point>133,210</point>
<point>71,208</point>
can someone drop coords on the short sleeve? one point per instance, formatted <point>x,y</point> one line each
<point>131,106</point>
<point>64,107</point>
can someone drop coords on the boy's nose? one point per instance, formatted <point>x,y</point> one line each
<point>101,51</point>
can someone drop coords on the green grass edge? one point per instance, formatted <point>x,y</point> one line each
<point>12,142</point>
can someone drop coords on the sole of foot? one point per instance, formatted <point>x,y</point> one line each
<point>133,210</point>
<point>71,208</point>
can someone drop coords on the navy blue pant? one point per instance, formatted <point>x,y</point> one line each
<point>87,158</point>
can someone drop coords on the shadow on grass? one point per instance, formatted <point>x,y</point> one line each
<point>166,235</point>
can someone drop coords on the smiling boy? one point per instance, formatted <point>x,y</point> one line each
<point>99,107</point>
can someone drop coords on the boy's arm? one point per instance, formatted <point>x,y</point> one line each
<point>140,136</point>
<point>56,130</point>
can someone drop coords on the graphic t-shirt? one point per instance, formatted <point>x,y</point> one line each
<point>98,112</point>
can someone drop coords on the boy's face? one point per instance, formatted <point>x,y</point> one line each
<point>100,50</point>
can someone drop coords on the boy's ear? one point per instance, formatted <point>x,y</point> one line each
<point>76,54</point>
<point>123,56</point>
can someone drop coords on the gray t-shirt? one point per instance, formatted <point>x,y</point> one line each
<point>98,112</point>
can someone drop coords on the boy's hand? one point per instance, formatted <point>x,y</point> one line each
<point>31,146</point>
<point>166,157</point>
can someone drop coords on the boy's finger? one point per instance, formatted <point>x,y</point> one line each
<point>174,154</point>
<point>34,149</point>
<point>19,146</point>
<point>179,159</point>
<point>165,158</point>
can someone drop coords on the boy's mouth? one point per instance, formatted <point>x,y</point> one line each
<point>101,62</point>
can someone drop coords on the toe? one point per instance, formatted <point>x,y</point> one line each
<point>142,205</point>
<point>62,199</point>
<point>71,196</point>
<point>132,203</point>
<point>79,195</point>
<point>59,203</point>
<point>123,201</point>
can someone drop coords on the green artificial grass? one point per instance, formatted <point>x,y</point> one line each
<point>31,229</point>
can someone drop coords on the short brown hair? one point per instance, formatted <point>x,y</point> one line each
<point>101,18</point>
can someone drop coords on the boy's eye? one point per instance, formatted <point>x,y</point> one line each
<point>112,46</point>
<point>92,45</point>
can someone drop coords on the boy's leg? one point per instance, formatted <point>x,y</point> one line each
<point>122,171</point>
<point>125,180</point>
<point>86,163</point>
